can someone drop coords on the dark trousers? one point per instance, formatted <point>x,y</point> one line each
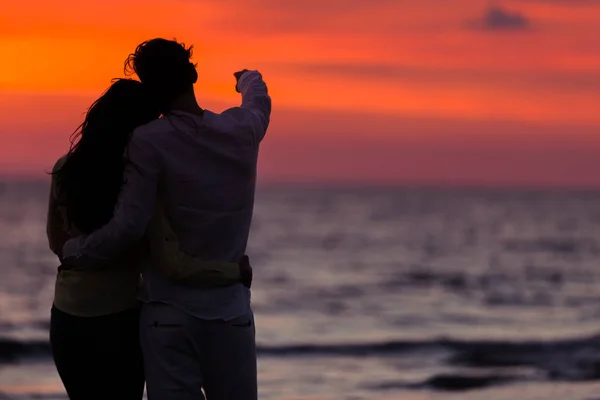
<point>185,354</point>
<point>98,357</point>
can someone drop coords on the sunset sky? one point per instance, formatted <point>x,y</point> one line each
<point>364,91</point>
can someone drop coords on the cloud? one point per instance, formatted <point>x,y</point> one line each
<point>306,7</point>
<point>384,71</point>
<point>568,2</point>
<point>390,73</point>
<point>308,16</point>
<point>497,18</point>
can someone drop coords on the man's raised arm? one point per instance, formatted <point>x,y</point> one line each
<point>255,111</point>
<point>134,209</point>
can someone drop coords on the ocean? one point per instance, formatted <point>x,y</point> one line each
<point>373,293</point>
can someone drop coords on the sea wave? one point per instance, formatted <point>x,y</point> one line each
<point>576,359</point>
<point>12,350</point>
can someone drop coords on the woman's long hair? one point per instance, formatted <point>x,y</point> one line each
<point>90,179</point>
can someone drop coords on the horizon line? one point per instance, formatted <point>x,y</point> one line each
<point>345,184</point>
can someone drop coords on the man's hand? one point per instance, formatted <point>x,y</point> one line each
<point>238,76</point>
<point>246,272</point>
<point>66,263</point>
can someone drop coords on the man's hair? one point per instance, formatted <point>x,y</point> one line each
<point>165,68</point>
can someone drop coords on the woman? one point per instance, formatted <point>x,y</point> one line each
<point>95,315</point>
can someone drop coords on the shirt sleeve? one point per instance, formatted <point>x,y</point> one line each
<point>255,112</point>
<point>133,211</point>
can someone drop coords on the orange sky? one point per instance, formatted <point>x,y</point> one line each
<point>364,90</point>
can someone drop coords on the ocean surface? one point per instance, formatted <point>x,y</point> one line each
<point>379,294</point>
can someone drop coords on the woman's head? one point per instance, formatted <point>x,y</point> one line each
<point>91,177</point>
<point>112,118</point>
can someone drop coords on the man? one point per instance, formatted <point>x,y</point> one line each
<point>199,169</point>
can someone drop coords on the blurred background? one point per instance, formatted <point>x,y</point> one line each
<point>427,220</point>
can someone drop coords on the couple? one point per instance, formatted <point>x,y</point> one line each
<point>156,184</point>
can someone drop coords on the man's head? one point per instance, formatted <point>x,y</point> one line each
<point>164,66</point>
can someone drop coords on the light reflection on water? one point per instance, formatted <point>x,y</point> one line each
<point>320,379</point>
<point>364,266</point>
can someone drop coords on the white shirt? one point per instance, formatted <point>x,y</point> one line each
<point>203,169</point>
